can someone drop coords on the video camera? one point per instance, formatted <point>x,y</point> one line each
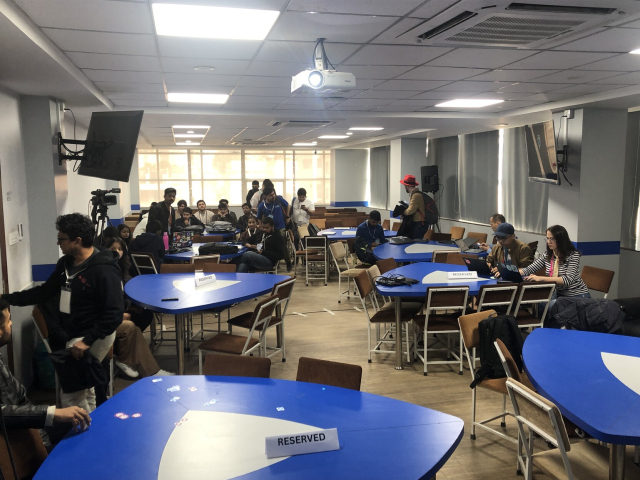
<point>100,197</point>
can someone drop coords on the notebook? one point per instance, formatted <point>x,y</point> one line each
<point>510,273</point>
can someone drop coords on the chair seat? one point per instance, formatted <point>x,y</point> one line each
<point>438,323</point>
<point>227,343</point>
<point>387,314</point>
<point>351,273</point>
<point>500,384</point>
<point>244,321</point>
<point>527,320</point>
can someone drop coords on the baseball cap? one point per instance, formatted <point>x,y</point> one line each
<point>504,230</point>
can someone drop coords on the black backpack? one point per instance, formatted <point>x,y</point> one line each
<point>505,328</point>
<point>431,215</point>
<point>214,248</point>
<point>313,229</point>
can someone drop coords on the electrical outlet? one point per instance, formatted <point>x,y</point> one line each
<point>13,238</point>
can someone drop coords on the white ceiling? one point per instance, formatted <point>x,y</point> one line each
<point>398,81</point>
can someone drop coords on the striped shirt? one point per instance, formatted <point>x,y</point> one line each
<point>568,271</point>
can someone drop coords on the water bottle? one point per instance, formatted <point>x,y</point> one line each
<point>165,239</point>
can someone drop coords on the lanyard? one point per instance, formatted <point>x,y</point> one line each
<point>551,265</point>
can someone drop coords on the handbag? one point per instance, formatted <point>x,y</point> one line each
<point>77,374</point>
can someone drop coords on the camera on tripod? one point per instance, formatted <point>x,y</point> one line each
<point>99,217</point>
<point>100,197</point>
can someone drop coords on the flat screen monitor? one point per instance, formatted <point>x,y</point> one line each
<point>541,152</point>
<point>111,145</point>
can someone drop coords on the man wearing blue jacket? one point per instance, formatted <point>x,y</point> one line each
<point>369,235</point>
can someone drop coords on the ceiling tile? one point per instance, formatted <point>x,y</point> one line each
<point>115,87</point>
<point>302,52</point>
<point>360,102</point>
<point>513,75</point>
<point>268,82</point>
<point>531,87</point>
<point>418,104</point>
<point>187,65</point>
<point>245,106</point>
<point>123,76</point>
<point>503,95</point>
<point>410,85</point>
<point>480,57</point>
<point>399,108</point>
<point>587,88</point>
<point>395,55</point>
<point>311,101</point>
<point>201,79</point>
<point>550,97</point>
<point>433,95</point>
<point>237,99</point>
<point>393,94</point>
<point>337,28</point>
<point>260,91</point>
<point>136,96</point>
<point>256,4</point>
<point>375,73</point>
<point>105,61</point>
<point>276,69</point>
<point>577,76</point>
<point>632,78</point>
<point>432,8</point>
<point>183,47</point>
<point>368,7</point>
<point>557,60</point>
<point>293,106</point>
<point>469,86</point>
<point>101,42</point>
<point>124,17</point>
<point>620,63</point>
<point>620,40</point>
<point>441,73</point>
<point>140,103</point>
<point>390,35</point>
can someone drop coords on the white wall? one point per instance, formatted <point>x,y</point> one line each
<point>349,175</point>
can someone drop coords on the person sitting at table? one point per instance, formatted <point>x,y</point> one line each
<point>204,215</point>
<point>187,219</point>
<point>231,214</point>
<point>495,220</point>
<point>369,235</point>
<point>142,225</point>
<point>267,248</point>
<point>223,215</point>
<point>252,229</point>
<point>150,242</point>
<point>182,204</point>
<point>509,250</point>
<point>561,262</point>
<point>244,219</point>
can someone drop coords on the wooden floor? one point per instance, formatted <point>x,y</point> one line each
<point>341,335</point>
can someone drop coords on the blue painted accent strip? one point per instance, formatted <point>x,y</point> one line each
<point>598,248</point>
<point>349,204</point>
<point>116,221</point>
<point>135,207</point>
<point>41,272</point>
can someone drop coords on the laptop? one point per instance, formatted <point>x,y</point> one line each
<point>465,245</point>
<point>477,265</point>
<point>509,273</point>
<point>403,240</point>
<point>182,239</point>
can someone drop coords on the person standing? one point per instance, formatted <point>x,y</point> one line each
<point>276,208</point>
<point>300,212</point>
<point>416,209</point>
<point>204,215</point>
<point>164,212</point>
<point>259,195</point>
<point>255,186</point>
<point>89,284</point>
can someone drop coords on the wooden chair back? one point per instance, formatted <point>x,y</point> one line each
<point>28,453</point>
<point>177,268</point>
<point>480,237</point>
<point>440,256</point>
<point>236,366</point>
<point>428,235</point>
<point>321,223</point>
<point>597,279</point>
<point>458,258</point>
<point>469,327</point>
<point>350,222</point>
<point>363,282</point>
<point>338,251</point>
<point>396,226</point>
<point>343,375</point>
<point>499,295</point>
<point>509,364</point>
<point>219,268</point>
<point>449,298</point>
<point>201,260</point>
<point>457,232</point>
<point>440,237</point>
<point>533,246</point>
<point>386,264</point>
<point>386,224</point>
<point>333,222</point>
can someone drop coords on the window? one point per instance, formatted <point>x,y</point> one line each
<point>214,174</point>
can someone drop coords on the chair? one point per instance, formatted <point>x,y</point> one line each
<point>28,453</point>
<point>440,256</point>
<point>458,258</point>
<point>510,366</point>
<point>396,226</point>
<point>351,222</point>
<point>177,268</point>
<point>351,246</point>
<point>316,259</point>
<point>332,223</point>
<point>597,279</point>
<point>499,295</point>
<point>581,460</point>
<point>201,260</point>
<point>469,329</point>
<point>440,237</point>
<point>239,344</point>
<point>144,263</point>
<point>219,268</point>
<point>339,253</point>
<point>456,232</point>
<point>480,237</point>
<point>321,223</point>
<point>283,291</point>
<point>323,372</point>
<point>533,246</point>
<point>531,294</point>
<point>236,366</point>
<point>387,264</point>
<point>436,323</point>
<point>386,224</point>
<point>386,314</point>
<point>428,235</point>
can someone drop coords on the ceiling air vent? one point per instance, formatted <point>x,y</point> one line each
<point>300,123</point>
<point>486,23</point>
<point>250,143</point>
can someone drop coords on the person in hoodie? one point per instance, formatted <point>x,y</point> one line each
<point>268,247</point>
<point>89,284</point>
<point>149,242</point>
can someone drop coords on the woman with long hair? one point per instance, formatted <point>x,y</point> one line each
<point>124,232</point>
<point>561,263</point>
<point>117,244</point>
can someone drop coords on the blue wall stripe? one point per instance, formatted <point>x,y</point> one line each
<point>598,248</point>
<point>349,204</point>
<point>116,221</point>
<point>135,207</point>
<point>41,272</point>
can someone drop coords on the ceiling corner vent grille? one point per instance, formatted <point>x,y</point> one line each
<point>300,123</point>
<point>250,143</point>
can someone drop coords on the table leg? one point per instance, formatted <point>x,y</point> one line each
<point>616,462</point>
<point>180,342</point>
<point>398,303</point>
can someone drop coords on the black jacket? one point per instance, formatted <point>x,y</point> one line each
<point>192,221</point>
<point>273,247</point>
<point>160,212</point>
<point>96,298</point>
<point>242,222</point>
<point>16,408</point>
<point>148,243</point>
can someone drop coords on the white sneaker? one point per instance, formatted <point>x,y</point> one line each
<point>127,369</point>
<point>163,373</point>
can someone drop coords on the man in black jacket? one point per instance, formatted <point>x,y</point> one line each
<point>149,242</point>
<point>18,411</point>
<point>187,219</point>
<point>164,212</point>
<point>88,282</point>
<point>268,246</point>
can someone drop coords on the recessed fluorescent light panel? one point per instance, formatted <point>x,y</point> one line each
<point>305,144</point>
<point>216,98</point>
<point>469,103</point>
<point>367,129</point>
<point>203,21</point>
<point>333,137</point>
<point>188,135</point>
<point>636,51</point>
<point>192,127</point>
<point>190,144</point>
<point>181,133</point>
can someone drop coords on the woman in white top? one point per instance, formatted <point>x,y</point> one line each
<point>204,215</point>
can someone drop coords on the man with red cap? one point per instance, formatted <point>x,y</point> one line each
<point>416,209</point>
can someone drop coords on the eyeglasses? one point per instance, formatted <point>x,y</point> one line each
<point>60,240</point>
<point>504,239</point>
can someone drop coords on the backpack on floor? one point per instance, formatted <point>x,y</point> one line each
<point>505,328</point>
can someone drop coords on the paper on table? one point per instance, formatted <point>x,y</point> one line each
<point>349,232</point>
<point>441,277</point>
<point>424,248</point>
<point>341,228</point>
<point>188,286</point>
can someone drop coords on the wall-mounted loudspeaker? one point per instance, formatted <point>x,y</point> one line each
<point>430,179</point>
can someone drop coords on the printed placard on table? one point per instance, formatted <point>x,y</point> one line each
<point>302,443</point>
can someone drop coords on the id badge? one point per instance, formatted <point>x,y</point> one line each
<point>259,246</point>
<point>65,300</point>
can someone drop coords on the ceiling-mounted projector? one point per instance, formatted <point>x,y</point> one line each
<point>321,79</point>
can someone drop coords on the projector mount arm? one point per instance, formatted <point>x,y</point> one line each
<point>320,59</point>
<point>73,155</point>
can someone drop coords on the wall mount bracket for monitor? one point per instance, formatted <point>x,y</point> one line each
<point>563,163</point>
<point>92,151</point>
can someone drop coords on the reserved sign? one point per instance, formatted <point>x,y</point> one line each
<point>462,275</point>
<point>206,280</point>
<point>301,443</point>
